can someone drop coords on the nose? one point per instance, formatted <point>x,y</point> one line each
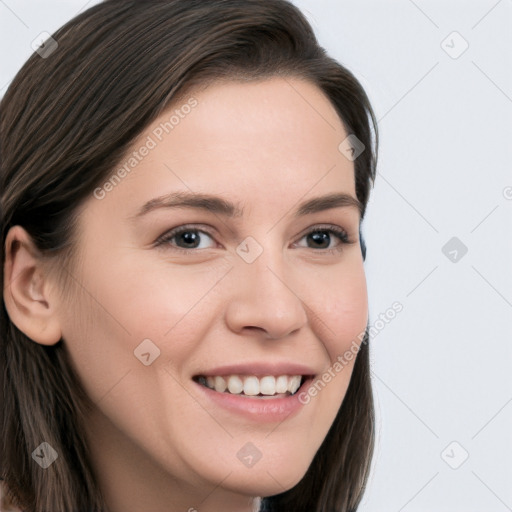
<point>262,300</point>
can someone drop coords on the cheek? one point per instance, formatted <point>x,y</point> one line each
<point>339,305</point>
<point>120,306</point>
<point>339,317</point>
<point>173,309</point>
<point>137,299</point>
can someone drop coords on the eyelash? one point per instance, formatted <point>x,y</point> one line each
<point>340,233</point>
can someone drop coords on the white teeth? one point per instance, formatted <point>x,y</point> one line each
<point>268,385</point>
<point>251,385</point>
<point>220,384</point>
<point>235,385</point>
<point>294,384</point>
<point>282,384</point>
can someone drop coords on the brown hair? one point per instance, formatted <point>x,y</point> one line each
<point>65,122</point>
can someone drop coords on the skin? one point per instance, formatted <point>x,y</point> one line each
<point>158,444</point>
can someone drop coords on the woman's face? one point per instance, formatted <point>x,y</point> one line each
<point>257,283</point>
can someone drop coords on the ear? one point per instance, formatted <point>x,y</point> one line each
<point>26,293</point>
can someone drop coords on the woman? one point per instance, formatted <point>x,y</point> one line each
<point>184,320</point>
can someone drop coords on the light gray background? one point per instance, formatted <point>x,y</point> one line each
<point>442,367</point>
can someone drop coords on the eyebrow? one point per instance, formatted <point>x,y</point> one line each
<point>215,204</point>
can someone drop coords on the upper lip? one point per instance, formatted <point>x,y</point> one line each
<point>259,369</point>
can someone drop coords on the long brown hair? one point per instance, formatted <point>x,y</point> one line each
<point>65,122</point>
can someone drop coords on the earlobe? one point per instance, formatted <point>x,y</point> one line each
<point>27,292</point>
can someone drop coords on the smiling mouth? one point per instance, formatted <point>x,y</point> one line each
<point>268,386</point>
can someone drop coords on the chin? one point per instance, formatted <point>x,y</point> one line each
<point>267,477</point>
<point>264,483</point>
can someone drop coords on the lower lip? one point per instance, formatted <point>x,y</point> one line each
<point>261,410</point>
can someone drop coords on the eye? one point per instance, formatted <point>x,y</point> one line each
<point>185,238</point>
<point>329,238</point>
<point>322,238</point>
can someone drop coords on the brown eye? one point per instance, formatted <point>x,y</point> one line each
<point>323,238</point>
<point>186,238</point>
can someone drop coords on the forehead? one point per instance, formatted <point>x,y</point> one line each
<point>272,141</point>
<point>282,116</point>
